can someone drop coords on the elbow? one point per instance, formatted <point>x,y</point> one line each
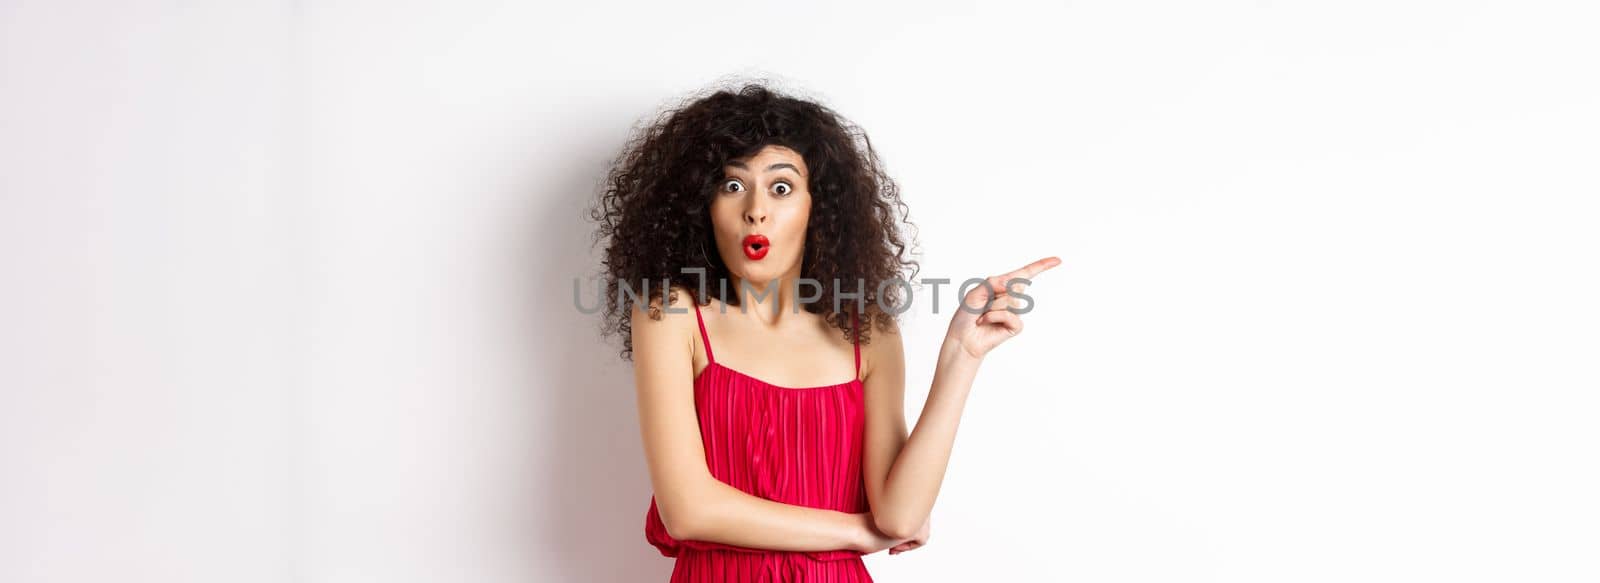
<point>896,528</point>
<point>679,526</point>
<point>680,519</point>
<point>686,510</point>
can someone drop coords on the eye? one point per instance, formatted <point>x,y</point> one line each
<point>782,189</point>
<point>732,182</point>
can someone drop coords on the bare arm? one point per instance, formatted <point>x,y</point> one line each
<point>904,473</point>
<point>693,504</point>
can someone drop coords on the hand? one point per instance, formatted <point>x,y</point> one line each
<point>914,542</point>
<point>978,333</point>
<point>869,539</point>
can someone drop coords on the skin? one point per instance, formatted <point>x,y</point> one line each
<point>767,194</point>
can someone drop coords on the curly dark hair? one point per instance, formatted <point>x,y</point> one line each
<point>653,211</point>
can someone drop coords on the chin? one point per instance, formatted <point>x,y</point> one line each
<point>758,273</point>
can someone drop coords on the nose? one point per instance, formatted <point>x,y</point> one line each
<point>755,213</point>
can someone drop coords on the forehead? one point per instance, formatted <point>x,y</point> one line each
<point>769,155</point>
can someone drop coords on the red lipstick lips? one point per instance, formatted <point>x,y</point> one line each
<point>756,246</point>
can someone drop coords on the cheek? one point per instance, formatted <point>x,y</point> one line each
<point>799,219</point>
<point>725,222</point>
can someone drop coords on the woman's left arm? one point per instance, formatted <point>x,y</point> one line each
<point>903,472</point>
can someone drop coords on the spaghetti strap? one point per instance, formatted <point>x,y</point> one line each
<point>854,319</point>
<point>705,340</point>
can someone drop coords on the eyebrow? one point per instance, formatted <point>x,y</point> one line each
<point>741,165</point>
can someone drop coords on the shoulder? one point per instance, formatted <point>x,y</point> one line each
<point>658,325</point>
<point>884,348</point>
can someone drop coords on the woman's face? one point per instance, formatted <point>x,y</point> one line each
<point>759,215</point>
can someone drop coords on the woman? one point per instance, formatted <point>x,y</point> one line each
<point>772,415</point>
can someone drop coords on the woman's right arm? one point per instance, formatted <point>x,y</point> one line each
<point>693,504</point>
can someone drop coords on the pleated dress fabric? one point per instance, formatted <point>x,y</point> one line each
<point>795,445</point>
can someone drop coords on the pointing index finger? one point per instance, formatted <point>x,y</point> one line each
<point>1035,268</point>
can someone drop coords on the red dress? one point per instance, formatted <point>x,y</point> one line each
<point>799,446</point>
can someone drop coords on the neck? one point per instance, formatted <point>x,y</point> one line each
<point>769,301</point>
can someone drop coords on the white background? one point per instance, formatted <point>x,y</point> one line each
<point>287,285</point>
